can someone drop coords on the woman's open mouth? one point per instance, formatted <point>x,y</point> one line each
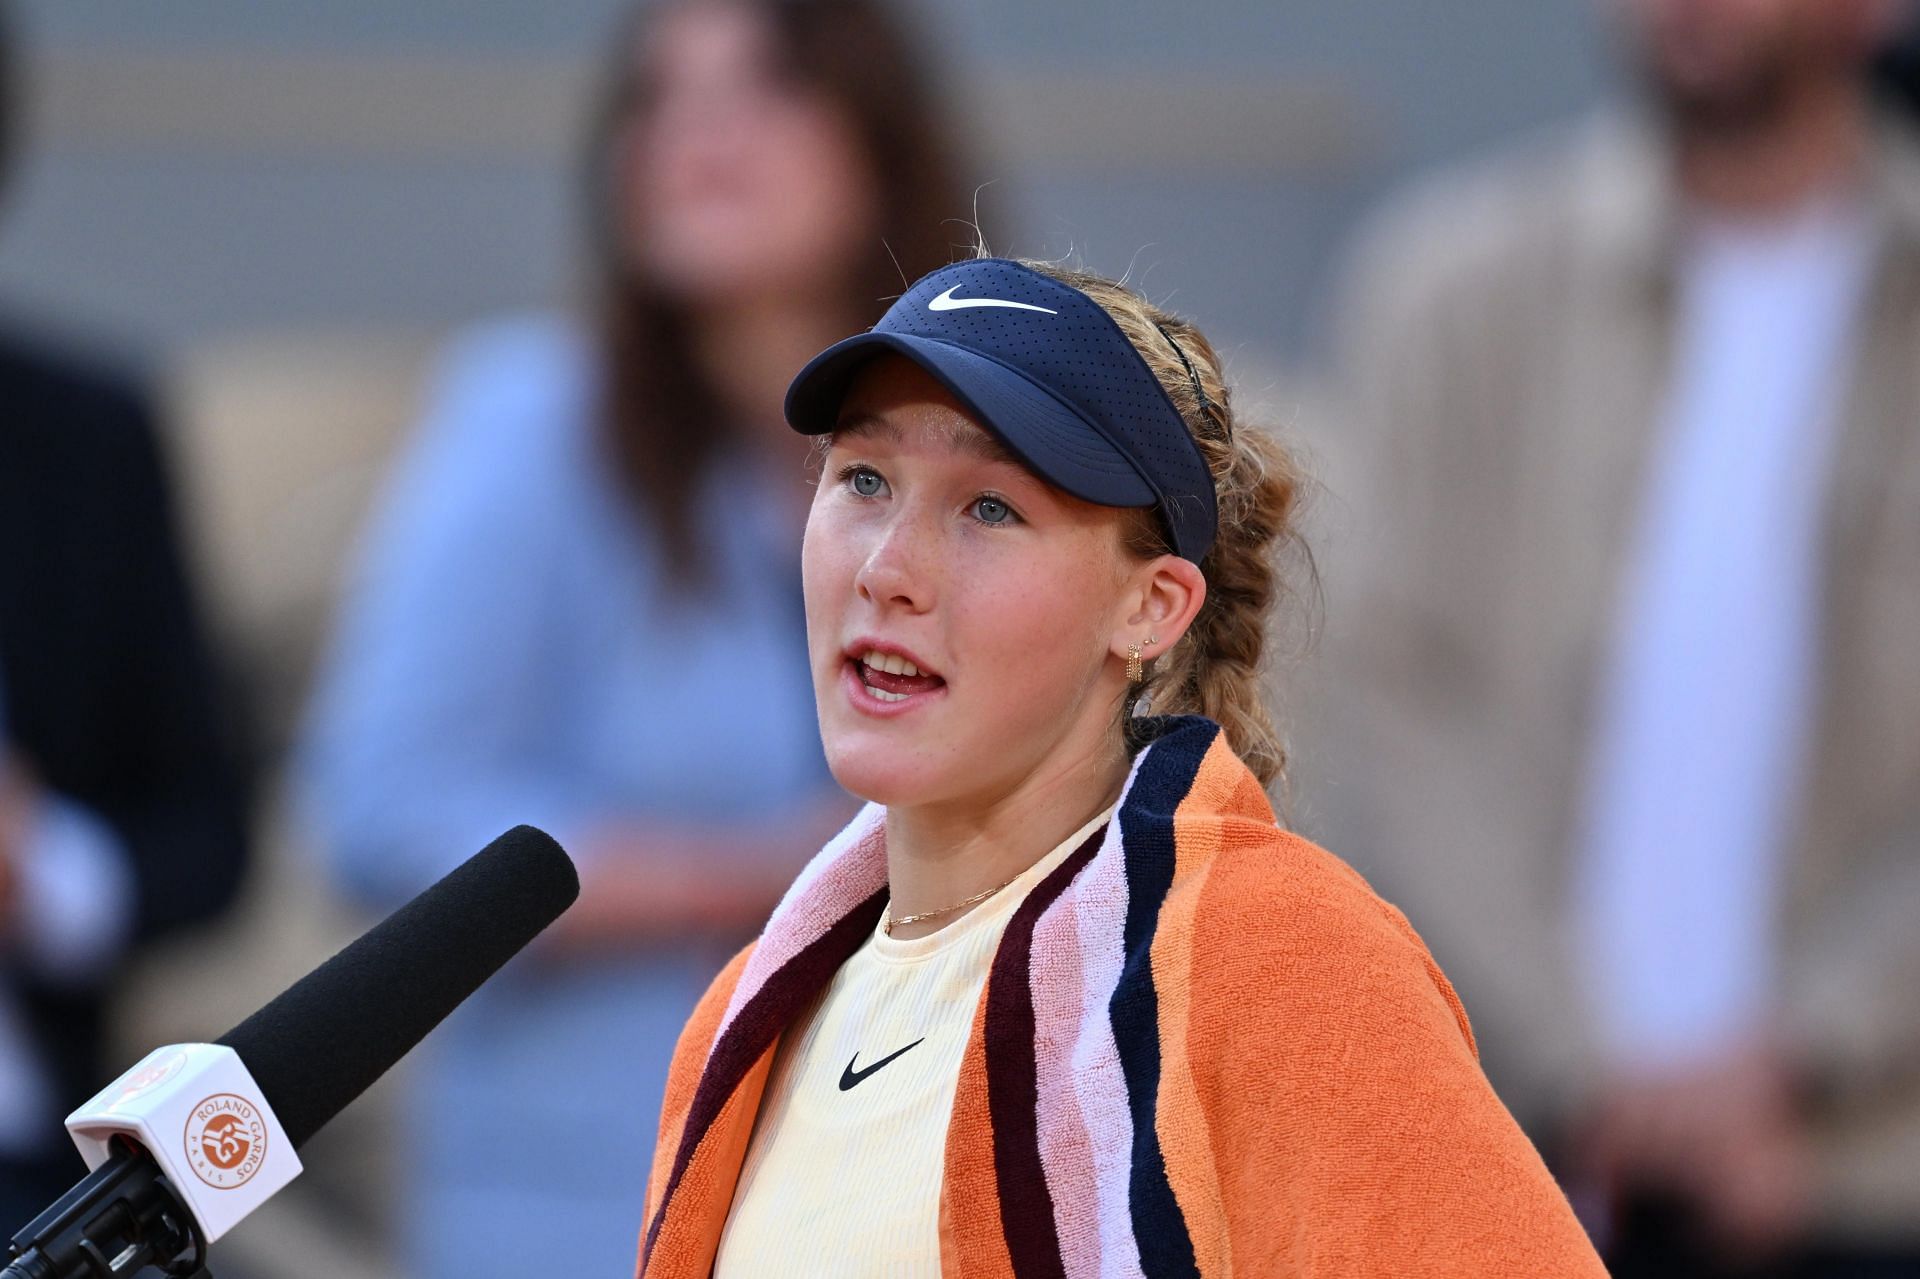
<point>890,678</point>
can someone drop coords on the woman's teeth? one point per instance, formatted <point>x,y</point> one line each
<point>892,678</point>
<point>892,663</point>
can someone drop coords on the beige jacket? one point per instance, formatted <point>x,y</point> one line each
<point>1505,342</point>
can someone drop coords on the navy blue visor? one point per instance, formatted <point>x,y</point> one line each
<point>1044,368</point>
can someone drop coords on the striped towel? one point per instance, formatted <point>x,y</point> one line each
<point>1205,1048</point>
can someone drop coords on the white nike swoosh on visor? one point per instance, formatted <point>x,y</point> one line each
<point>947,302</point>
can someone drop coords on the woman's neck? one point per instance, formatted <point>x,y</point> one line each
<point>940,854</point>
<point>750,349</point>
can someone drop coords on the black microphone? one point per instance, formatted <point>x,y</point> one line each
<point>311,1051</point>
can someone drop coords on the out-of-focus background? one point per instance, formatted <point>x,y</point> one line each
<point>332,237</point>
<point>197,174</point>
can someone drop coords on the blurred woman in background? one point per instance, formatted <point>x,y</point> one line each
<point>579,605</point>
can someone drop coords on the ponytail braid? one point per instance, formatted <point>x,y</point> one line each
<point>1215,668</point>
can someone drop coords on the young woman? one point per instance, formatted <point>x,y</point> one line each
<point>1064,999</point>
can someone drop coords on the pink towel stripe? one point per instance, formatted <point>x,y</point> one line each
<point>1066,1150</point>
<point>1099,902</point>
<point>850,869</point>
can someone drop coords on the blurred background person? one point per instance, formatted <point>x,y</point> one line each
<point>1633,720</point>
<point>122,814</point>
<point>579,606</point>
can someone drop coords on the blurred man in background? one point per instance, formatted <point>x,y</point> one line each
<point>1633,681</point>
<point>120,814</point>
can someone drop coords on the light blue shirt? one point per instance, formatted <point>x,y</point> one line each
<point>511,653</point>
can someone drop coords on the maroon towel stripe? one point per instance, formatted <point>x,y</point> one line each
<point>1013,1084</point>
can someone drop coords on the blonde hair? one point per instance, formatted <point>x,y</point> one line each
<point>1215,667</point>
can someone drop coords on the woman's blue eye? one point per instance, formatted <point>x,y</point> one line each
<point>991,510</point>
<point>866,483</point>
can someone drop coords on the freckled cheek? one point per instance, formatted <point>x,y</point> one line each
<point>1031,623</point>
<point>828,561</point>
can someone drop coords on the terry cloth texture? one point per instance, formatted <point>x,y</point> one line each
<point>1205,1048</point>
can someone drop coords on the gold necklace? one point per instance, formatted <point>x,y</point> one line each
<point>888,922</point>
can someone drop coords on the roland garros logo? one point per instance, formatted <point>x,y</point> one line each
<point>226,1141</point>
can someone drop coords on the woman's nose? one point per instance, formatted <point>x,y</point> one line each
<point>896,570</point>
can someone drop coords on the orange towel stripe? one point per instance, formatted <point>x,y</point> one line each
<point>1186,1142</point>
<point>697,1037</point>
<point>973,1243</point>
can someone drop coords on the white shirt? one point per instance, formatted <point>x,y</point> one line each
<point>1699,763</point>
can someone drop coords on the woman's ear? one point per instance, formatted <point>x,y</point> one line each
<point>1166,595</point>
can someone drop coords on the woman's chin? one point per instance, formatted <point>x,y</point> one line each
<point>880,772</point>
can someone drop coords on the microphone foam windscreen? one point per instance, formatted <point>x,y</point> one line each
<point>324,1040</point>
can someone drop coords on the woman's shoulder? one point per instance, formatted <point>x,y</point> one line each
<point>1286,903</point>
<point>704,1023</point>
<point>1276,864</point>
<point>519,360</point>
<point>518,379</point>
<point>506,410</point>
<point>519,347</point>
<point>1296,908</point>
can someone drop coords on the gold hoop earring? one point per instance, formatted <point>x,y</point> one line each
<point>1136,669</point>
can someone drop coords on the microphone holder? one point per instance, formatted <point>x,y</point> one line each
<point>122,1218</point>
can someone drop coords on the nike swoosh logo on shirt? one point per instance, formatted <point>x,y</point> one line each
<point>947,302</point>
<point>849,1077</point>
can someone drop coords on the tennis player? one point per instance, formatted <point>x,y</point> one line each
<point>1065,999</point>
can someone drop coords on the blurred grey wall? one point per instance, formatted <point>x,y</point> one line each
<point>197,169</point>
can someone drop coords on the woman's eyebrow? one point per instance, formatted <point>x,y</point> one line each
<point>867,426</point>
<point>962,437</point>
